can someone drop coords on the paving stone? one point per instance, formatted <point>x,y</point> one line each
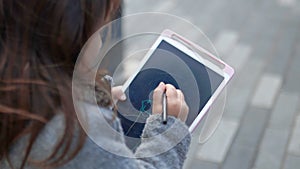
<point>266,91</point>
<point>292,162</point>
<point>236,97</point>
<point>239,56</point>
<point>253,34</point>
<point>194,147</point>
<point>262,47</point>
<point>275,11</point>
<point>287,2</point>
<point>284,112</point>
<point>215,149</point>
<point>200,7</point>
<point>276,137</point>
<point>232,17</point>
<point>294,145</point>
<point>282,51</point>
<point>239,157</point>
<point>133,6</point>
<point>199,164</point>
<point>272,149</point>
<point>241,87</point>
<point>246,143</point>
<point>252,127</point>
<point>296,9</point>
<point>165,6</point>
<point>248,76</point>
<point>292,81</point>
<point>225,41</point>
<point>208,14</point>
<point>264,24</point>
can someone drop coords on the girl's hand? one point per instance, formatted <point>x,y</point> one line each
<point>117,94</point>
<point>176,105</point>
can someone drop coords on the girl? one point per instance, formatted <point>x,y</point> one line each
<point>39,44</point>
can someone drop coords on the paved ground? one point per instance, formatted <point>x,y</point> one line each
<point>260,128</point>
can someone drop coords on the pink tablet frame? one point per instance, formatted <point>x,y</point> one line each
<point>226,69</point>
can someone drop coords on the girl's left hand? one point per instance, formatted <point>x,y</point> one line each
<point>117,94</point>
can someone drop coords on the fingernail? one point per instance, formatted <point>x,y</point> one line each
<point>123,97</point>
<point>161,83</point>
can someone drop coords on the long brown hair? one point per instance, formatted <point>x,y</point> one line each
<point>39,44</point>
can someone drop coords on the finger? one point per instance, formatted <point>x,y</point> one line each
<point>184,106</point>
<point>171,91</point>
<point>157,98</point>
<point>184,109</point>
<point>184,112</point>
<point>118,94</point>
<point>180,99</point>
<point>180,94</point>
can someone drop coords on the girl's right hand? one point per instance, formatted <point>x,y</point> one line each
<point>176,105</point>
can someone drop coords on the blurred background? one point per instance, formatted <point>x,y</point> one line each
<point>260,128</point>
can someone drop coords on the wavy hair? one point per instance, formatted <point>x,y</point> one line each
<point>39,44</point>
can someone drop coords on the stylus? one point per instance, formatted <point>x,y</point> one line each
<point>164,113</point>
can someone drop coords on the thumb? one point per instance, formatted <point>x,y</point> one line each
<point>117,94</point>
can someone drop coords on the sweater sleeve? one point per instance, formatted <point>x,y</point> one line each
<point>162,146</point>
<point>167,146</point>
<point>165,151</point>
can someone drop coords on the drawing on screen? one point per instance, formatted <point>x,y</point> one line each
<point>146,104</point>
<point>144,110</point>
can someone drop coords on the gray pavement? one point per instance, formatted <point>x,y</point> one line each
<point>260,128</point>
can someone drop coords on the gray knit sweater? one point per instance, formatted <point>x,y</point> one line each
<point>93,156</point>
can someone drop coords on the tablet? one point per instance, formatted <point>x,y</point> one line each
<point>172,59</point>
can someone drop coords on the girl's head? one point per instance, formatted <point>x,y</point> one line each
<point>39,44</point>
